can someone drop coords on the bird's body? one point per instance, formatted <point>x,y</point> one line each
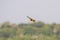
<point>31,19</point>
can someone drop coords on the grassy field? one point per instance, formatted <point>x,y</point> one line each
<point>30,31</point>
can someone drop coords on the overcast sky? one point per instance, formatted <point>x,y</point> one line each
<point>16,10</point>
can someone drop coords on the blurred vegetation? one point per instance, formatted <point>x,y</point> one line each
<point>30,31</point>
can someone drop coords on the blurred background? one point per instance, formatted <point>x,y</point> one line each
<point>14,24</point>
<point>16,10</point>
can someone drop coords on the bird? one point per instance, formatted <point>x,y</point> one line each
<point>31,19</point>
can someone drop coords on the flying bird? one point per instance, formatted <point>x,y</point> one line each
<point>31,19</point>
